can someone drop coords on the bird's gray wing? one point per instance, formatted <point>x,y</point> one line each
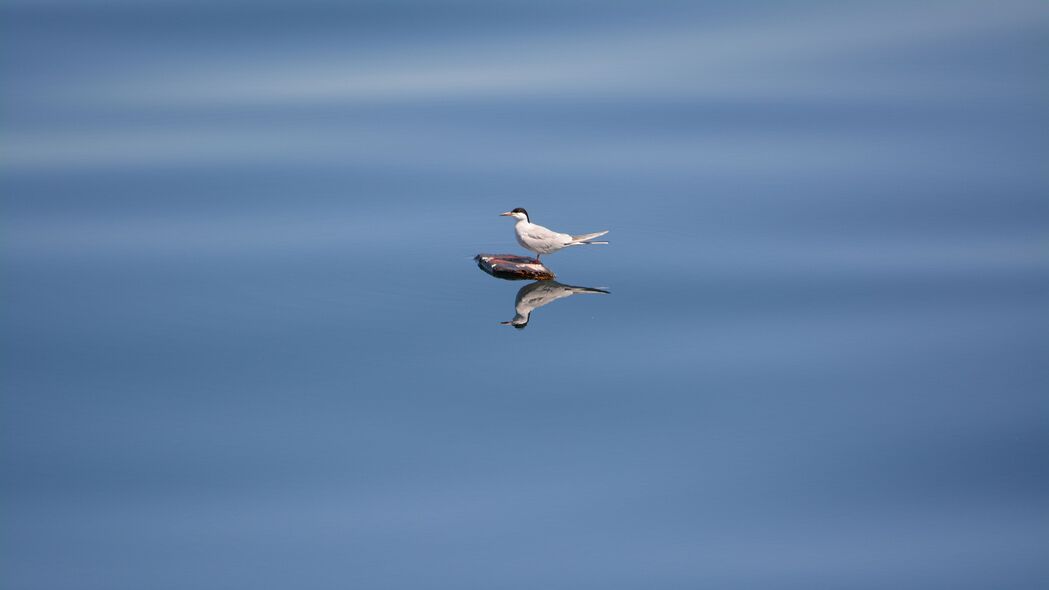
<point>547,235</point>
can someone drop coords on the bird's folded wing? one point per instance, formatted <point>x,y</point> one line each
<point>545,234</point>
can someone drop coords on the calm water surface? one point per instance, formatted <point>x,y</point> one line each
<point>245,345</point>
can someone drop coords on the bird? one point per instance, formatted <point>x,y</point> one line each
<point>538,294</point>
<point>541,240</point>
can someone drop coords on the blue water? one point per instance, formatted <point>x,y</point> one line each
<point>243,342</point>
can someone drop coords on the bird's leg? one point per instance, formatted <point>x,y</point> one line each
<point>537,261</point>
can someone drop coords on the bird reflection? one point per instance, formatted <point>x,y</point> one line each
<point>539,294</point>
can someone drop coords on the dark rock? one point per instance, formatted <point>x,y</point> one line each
<point>513,267</point>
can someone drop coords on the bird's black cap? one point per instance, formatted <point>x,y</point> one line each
<point>521,210</point>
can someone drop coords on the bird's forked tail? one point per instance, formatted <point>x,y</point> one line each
<point>587,238</point>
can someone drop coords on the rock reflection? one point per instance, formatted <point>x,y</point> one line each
<point>540,293</point>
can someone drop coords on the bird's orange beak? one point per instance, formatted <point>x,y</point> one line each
<point>507,214</point>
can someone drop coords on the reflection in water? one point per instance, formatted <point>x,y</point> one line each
<point>539,294</point>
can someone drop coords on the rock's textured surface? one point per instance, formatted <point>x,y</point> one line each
<point>513,267</point>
